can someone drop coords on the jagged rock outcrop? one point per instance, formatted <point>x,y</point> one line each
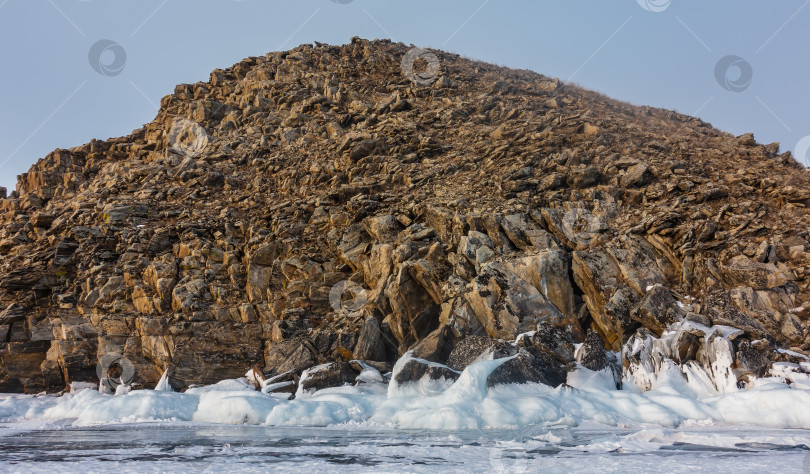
<point>315,206</point>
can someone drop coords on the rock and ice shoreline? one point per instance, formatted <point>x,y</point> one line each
<point>311,241</point>
<point>499,389</point>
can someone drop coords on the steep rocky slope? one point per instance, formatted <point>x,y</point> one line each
<point>317,205</point>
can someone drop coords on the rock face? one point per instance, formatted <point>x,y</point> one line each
<point>315,207</point>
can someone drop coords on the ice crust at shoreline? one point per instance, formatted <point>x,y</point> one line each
<point>675,398</point>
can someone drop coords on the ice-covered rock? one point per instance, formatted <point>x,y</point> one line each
<point>525,367</point>
<point>412,375</point>
<point>368,373</point>
<point>593,356</point>
<point>334,374</point>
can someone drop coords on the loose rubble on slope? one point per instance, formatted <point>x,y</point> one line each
<point>316,215</point>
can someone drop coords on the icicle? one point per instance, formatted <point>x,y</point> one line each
<point>103,387</point>
<point>163,385</point>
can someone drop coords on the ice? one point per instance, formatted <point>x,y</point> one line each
<point>425,386</point>
<point>234,407</point>
<point>656,391</point>
<point>228,385</point>
<point>267,388</point>
<point>163,384</point>
<point>183,447</point>
<point>793,353</point>
<point>255,377</point>
<point>369,374</point>
<point>79,386</point>
<point>304,376</point>
<point>646,440</point>
<point>91,407</point>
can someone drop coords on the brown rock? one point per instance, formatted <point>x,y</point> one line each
<point>497,202</point>
<point>335,374</point>
<point>657,310</point>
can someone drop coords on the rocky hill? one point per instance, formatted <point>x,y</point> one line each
<point>352,203</point>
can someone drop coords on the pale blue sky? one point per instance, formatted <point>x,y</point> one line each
<point>51,97</point>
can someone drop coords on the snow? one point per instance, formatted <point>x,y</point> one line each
<point>655,391</point>
<point>677,396</point>
<point>679,406</point>
<point>354,448</point>
<point>793,353</point>
<point>369,374</point>
<point>79,386</point>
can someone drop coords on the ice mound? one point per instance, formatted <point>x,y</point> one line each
<point>674,395</point>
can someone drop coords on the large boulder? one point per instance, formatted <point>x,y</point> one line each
<point>476,347</point>
<point>608,299</point>
<point>657,309</point>
<point>334,374</point>
<point>420,376</point>
<point>548,272</point>
<point>527,368</point>
<point>370,342</point>
<point>289,356</point>
<point>741,270</point>
<point>436,346</point>
<point>415,313</point>
<point>507,305</point>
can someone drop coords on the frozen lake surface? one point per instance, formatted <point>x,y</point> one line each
<point>150,447</point>
<point>682,423</point>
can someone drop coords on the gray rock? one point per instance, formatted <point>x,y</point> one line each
<point>335,374</point>
<point>414,369</point>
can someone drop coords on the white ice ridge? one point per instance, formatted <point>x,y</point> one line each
<point>677,396</point>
